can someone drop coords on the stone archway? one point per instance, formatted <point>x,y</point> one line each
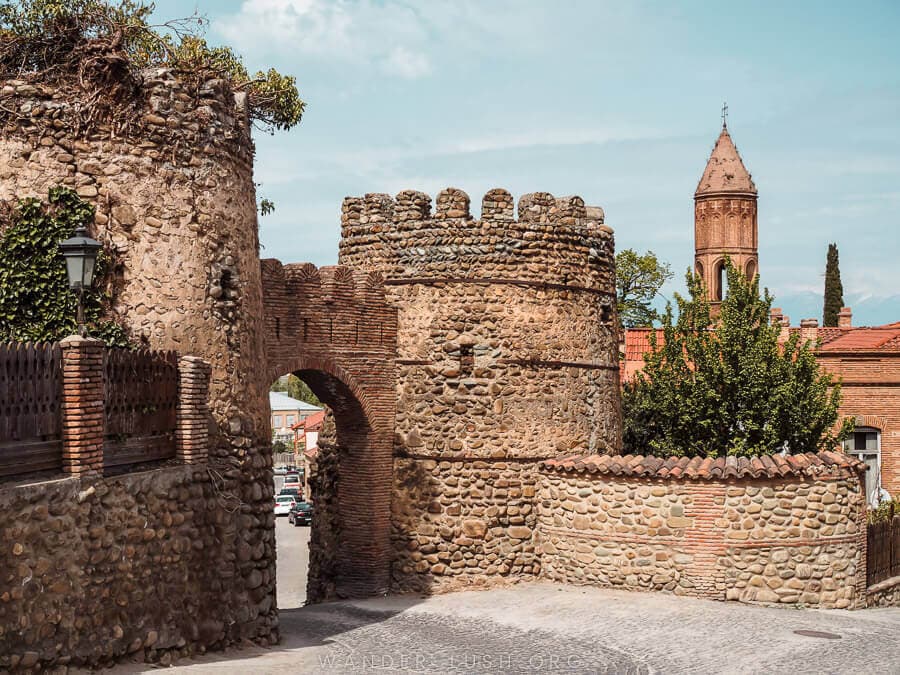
<point>334,330</point>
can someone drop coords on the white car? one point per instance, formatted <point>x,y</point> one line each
<point>283,504</point>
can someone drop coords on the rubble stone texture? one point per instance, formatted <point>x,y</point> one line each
<point>507,355</point>
<point>790,540</point>
<point>175,201</point>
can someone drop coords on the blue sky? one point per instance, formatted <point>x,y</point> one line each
<point>618,102</point>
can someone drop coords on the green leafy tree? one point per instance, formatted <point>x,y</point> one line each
<point>296,388</point>
<point>728,387</point>
<point>102,46</point>
<point>36,303</point>
<point>834,289</point>
<point>638,280</point>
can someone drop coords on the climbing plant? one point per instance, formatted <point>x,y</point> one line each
<point>102,46</point>
<point>36,303</point>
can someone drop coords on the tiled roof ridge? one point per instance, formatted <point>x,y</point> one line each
<point>810,464</point>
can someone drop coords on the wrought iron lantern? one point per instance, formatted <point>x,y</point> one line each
<point>80,252</point>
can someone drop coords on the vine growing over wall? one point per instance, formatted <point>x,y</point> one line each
<point>36,303</point>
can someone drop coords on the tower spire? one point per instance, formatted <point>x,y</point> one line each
<point>725,115</point>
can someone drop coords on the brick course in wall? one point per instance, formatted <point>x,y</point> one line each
<point>775,533</point>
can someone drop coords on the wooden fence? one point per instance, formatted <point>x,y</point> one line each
<point>141,391</point>
<point>30,421</point>
<point>883,554</point>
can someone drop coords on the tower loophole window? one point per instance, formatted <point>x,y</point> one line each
<point>466,359</point>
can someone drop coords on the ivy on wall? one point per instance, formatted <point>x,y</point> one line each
<point>36,303</point>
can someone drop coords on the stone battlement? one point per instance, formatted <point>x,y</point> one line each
<point>553,241</point>
<point>331,284</point>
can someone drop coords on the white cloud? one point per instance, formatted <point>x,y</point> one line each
<point>405,63</point>
<point>389,34</point>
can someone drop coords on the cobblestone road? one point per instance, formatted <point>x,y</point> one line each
<point>547,628</point>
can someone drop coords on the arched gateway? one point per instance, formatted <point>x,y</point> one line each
<point>333,328</point>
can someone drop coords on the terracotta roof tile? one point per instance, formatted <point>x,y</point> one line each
<point>864,338</point>
<point>826,463</point>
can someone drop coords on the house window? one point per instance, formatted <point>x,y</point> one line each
<point>290,421</point>
<point>865,444</point>
<point>276,421</point>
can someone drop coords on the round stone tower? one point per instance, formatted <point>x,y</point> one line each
<point>724,219</point>
<point>507,356</point>
<point>175,201</point>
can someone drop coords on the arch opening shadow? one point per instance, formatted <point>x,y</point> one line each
<point>350,538</point>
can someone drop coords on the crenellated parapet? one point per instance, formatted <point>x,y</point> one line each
<point>324,313</point>
<point>546,239</point>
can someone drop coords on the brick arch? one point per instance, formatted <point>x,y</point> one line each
<point>873,421</point>
<point>333,328</point>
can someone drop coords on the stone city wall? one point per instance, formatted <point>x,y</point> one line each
<point>791,531</point>
<point>175,202</point>
<point>507,355</point>
<point>143,564</point>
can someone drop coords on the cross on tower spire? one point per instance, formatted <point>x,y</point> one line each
<point>724,115</point>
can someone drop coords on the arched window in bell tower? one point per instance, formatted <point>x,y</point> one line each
<point>751,270</point>
<point>700,271</point>
<point>721,282</point>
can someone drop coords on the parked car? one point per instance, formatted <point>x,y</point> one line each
<point>283,504</point>
<point>300,514</point>
<point>292,492</point>
<point>280,470</point>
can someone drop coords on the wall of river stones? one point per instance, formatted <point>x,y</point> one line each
<point>175,204</point>
<point>143,564</point>
<point>507,355</point>
<point>795,539</point>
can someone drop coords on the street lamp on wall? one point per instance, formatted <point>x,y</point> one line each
<point>80,252</point>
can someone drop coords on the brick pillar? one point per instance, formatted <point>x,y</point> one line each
<point>845,318</point>
<point>192,430</point>
<point>83,415</point>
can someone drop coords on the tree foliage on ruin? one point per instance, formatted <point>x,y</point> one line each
<point>834,289</point>
<point>36,303</point>
<point>638,280</point>
<point>103,46</point>
<point>726,386</point>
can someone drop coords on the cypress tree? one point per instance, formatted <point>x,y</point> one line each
<point>834,290</point>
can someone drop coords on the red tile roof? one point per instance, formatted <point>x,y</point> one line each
<point>637,343</point>
<point>822,464</point>
<point>877,338</point>
<point>312,422</point>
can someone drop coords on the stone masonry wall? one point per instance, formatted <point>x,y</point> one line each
<point>507,355</point>
<point>175,202</point>
<point>787,539</point>
<point>92,569</point>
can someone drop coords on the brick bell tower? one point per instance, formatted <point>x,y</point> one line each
<point>724,218</point>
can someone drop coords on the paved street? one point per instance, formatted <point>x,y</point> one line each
<point>547,628</point>
<point>293,560</point>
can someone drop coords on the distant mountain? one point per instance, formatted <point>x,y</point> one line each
<point>867,311</point>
